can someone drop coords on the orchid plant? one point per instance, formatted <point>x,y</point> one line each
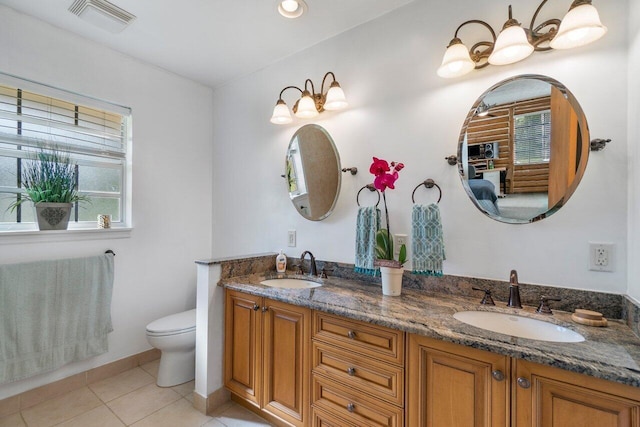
<point>385,177</point>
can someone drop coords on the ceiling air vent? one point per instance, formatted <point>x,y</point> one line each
<point>103,14</point>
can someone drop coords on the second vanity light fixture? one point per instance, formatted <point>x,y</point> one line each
<point>311,103</point>
<point>580,26</point>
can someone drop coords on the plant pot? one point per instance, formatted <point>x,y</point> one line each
<point>391,280</point>
<point>53,216</point>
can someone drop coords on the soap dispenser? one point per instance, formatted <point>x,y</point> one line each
<point>281,262</point>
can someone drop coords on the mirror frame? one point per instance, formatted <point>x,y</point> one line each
<point>338,171</point>
<point>584,157</point>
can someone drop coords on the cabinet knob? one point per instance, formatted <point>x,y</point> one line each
<point>497,375</point>
<point>265,309</point>
<point>256,307</point>
<point>523,382</point>
<point>351,371</point>
<point>351,334</point>
<point>351,407</point>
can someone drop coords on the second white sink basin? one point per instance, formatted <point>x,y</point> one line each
<point>288,283</point>
<point>518,326</point>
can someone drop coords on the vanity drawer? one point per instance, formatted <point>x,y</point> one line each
<point>362,338</point>
<point>381,380</point>
<point>355,407</point>
<point>320,418</point>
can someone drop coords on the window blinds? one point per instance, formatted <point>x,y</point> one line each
<point>28,119</point>
<point>532,138</point>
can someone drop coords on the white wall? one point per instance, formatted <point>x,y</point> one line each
<point>172,180</point>
<point>634,152</point>
<point>400,110</point>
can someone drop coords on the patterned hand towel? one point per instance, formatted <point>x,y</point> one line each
<point>367,225</point>
<point>427,243</point>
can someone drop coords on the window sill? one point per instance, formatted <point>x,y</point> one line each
<point>72,234</point>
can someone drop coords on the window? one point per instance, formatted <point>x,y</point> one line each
<point>532,138</point>
<point>94,132</point>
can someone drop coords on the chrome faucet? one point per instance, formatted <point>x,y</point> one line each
<point>514,291</point>
<point>313,270</point>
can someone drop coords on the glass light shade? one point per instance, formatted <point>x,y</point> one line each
<point>511,46</point>
<point>335,99</point>
<point>292,8</point>
<point>306,107</point>
<point>456,61</point>
<point>281,114</point>
<point>580,26</point>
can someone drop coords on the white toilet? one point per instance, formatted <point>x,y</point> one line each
<point>175,337</point>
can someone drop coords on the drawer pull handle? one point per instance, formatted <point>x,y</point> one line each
<point>351,407</point>
<point>265,309</point>
<point>497,375</point>
<point>256,307</point>
<point>524,383</point>
<point>351,335</point>
<point>351,371</point>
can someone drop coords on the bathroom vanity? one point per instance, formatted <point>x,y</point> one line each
<point>344,355</point>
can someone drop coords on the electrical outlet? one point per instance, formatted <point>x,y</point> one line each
<point>398,240</point>
<point>291,238</point>
<point>601,256</point>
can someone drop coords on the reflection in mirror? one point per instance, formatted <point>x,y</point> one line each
<point>312,172</point>
<point>523,149</point>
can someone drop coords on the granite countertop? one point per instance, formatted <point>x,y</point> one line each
<point>611,353</point>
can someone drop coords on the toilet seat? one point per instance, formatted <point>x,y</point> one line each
<point>174,324</point>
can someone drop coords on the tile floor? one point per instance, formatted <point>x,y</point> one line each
<point>130,399</point>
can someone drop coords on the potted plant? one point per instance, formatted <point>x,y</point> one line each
<point>391,270</point>
<point>49,179</point>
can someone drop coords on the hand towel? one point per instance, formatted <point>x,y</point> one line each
<point>367,225</point>
<point>53,313</point>
<point>427,242</point>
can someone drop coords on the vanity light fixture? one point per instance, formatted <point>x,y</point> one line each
<point>580,26</point>
<point>310,103</point>
<point>292,8</point>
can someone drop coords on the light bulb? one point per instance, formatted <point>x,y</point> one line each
<point>281,115</point>
<point>306,107</point>
<point>335,99</point>
<point>456,61</point>
<point>292,8</point>
<point>511,46</point>
<point>289,5</point>
<point>580,26</point>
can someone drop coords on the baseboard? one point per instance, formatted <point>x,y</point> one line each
<point>208,405</point>
<point>37,395</point>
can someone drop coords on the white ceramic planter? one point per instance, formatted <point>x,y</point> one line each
<point>391,280</point>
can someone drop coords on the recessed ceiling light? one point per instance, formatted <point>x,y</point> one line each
<point>102,14</point>
<point>292,8</point>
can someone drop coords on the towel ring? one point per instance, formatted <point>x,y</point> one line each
<point>109,251</point>
<point>428,183</point>
<point>369,187</point>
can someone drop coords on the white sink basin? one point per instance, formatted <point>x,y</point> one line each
<point>518,326</point>
<point>288,283</point>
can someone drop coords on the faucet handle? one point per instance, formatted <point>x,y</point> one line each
<point>298,269</point>
<point>544,308</point>
<point>323,273</point>
<point>486,300</point>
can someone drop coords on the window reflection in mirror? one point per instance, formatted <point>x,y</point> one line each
<point>523,149</point>
<point>312,172</point>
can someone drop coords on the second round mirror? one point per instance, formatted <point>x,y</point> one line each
<point>523,149</point>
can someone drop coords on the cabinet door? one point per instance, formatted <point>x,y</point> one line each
<point>455,386</point>
<point>287,334</point>
<point>243,350</point>
<point>549,397</point>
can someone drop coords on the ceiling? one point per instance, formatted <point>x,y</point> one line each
<point>213,41</point>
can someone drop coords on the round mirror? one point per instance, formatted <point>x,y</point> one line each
<point>523,149</point>
<point>312,171</point>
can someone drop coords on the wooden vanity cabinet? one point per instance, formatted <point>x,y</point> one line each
<point>551,397</point>
<point>267,353</point>
<point>455,386</point>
